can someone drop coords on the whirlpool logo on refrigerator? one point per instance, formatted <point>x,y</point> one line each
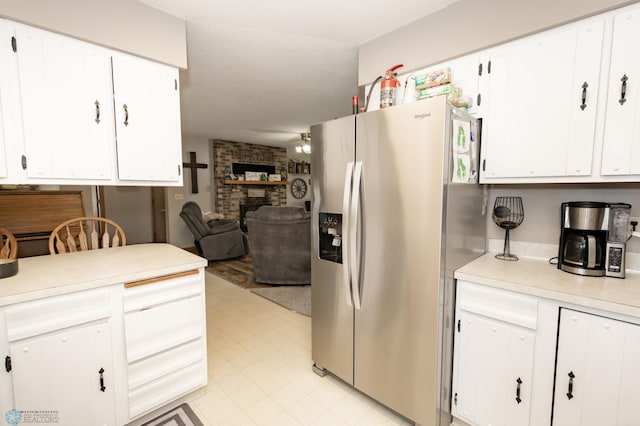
<point>422,116</point>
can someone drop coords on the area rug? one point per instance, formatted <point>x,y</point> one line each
<point>294,297</point>
<point>182,415</point>
<point>237,271</point>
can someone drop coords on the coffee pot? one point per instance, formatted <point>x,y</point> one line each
<point>593,238</point>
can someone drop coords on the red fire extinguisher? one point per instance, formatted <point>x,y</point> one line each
<point>388,87</point>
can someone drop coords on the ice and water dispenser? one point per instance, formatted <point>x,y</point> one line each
<point>330,240</point>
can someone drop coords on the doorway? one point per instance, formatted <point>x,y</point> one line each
<point>159,214</point>
<point>140,210</point>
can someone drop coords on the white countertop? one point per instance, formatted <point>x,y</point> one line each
<point>539,278</point>
<point>50,275</point>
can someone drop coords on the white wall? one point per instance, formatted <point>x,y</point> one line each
<point>467,26</point>
<point>126,25</point>
<point>179,235</point>
<point>542,208</point>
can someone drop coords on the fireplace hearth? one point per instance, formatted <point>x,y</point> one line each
<point>247,207</point>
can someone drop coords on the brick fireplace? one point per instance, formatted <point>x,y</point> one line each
<point>230,197</point>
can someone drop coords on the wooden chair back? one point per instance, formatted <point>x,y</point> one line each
<point>86,233</point>
<point>8,245</point>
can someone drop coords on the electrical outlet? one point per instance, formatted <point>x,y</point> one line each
<point>178,197</point>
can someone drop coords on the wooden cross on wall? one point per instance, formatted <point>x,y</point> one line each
<point>194,166</point>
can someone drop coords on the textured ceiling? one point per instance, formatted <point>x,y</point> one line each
<point>263,72</point>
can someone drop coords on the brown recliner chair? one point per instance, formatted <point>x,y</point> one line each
<point>280,243</point>
<point>215,239</point>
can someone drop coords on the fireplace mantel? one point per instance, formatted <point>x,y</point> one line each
<point>254,182</point>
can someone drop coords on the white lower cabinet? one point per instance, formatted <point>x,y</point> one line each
<point>525,360</point>
<point>493,356</point>
<point>165,341</point>
<point>59,355</point>
<point>106,356</point>
<point>65,377</point>
<point>597,371</point>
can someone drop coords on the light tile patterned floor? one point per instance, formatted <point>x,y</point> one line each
<point>260,369</point>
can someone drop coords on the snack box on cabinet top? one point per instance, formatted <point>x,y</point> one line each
<point>443,89</point>
<point>434,78</point>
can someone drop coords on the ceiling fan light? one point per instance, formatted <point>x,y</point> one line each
<point>306,148</point>
<point>299,149</point>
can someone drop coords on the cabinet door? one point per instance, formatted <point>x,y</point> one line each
<point>4,77</point>
<point>147,104</point>
<point>621,149</point>
<point>60,374</point>
<point>492,371</point>
<point>67,106</point>
<point>3,152</point>
<point>541,115</point>
<point>597,371</point>
<point>466,76</point>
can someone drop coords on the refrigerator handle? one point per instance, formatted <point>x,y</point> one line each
<point>354,224</point>
<point>346,264</point>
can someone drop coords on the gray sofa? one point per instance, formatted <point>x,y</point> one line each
<point>280,243</point>
<point>215,239</point>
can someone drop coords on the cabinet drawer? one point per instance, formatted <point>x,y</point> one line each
<point>157,328</point>
<point>153,368</point>
<point>499,304</point>
<point>166,388</point>
<point>54,313</point>
<point>163,290</point>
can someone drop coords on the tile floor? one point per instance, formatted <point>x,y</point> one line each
<point>260,369</point>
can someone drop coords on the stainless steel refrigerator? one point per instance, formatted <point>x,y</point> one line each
<point>396,209</point>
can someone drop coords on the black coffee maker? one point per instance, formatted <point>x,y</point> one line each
<point>589,231</point>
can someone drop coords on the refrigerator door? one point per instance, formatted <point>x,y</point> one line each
<point>404,158</point>
<point>332,155</point>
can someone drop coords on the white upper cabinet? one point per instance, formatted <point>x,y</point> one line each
<point>67,114</point>
<point>58,117</point>
<point>6,78</point>
<point>466,72</point>
<point>3,154</point>
<point>621,149</point>
<point>540,117</point>
<point>147,105</point>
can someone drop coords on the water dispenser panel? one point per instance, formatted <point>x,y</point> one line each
<point>330,241</point>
